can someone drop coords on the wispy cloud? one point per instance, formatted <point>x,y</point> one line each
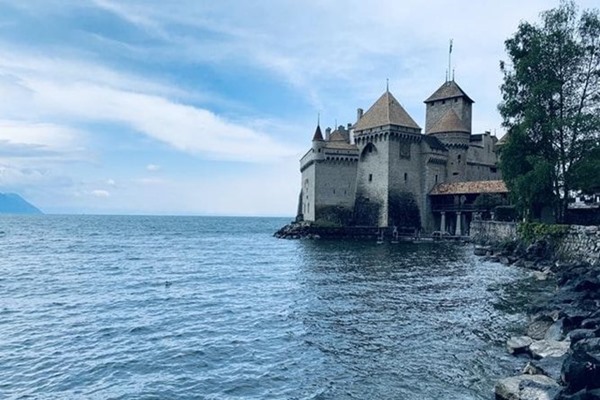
<point>146,108</point>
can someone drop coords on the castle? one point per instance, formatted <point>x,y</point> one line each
<point>366,174</point>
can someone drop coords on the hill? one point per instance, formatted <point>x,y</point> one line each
<point>12,203</point>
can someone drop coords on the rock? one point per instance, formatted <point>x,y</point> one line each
<point>590,323</point>
<point>526,387</point>
<point>549,348</point>
<point>518,344</point>
<point>581,371</point>
<point>539,275</point>
<point>577,334</point>
<point>549,366</point>
<point>537,329</point>
<point>581,395</point>
<point>556,331</point>
<point>481,250</point>
<point>589,345</point>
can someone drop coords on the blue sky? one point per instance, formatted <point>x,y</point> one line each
<point>205,107</point>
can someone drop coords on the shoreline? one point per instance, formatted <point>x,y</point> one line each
<point>561,345</point>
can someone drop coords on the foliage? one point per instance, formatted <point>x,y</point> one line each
<point>529,232</point>
<point>551,108</point>
<point>506,213</point>
<point>403,210</point>
<point>487,201</point>
<point>585,174</point>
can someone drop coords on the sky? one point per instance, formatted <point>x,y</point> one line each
<point>199,107</point>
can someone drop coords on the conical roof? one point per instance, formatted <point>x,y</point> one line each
<point>448,90</point>
<point>386,111</point>
<point>318,135</point>
<point>450,122</point>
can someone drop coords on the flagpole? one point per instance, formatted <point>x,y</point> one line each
<point>450,59</point>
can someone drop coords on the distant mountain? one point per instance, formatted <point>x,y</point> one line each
<point>12,203</point>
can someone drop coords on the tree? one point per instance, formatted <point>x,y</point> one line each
<point>550,107</point>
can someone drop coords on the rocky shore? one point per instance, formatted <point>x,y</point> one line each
<point>308,230</point>
<point>561,345</point>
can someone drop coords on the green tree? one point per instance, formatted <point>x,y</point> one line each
<point>550,107</point>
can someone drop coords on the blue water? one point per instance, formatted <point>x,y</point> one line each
<point>99,307</point>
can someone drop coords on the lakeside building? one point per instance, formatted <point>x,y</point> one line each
<point>363,174</point>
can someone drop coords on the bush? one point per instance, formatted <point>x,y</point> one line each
<point>530,232</point>
<point>505,213</point>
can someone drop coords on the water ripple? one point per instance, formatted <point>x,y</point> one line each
<point>213,308</point>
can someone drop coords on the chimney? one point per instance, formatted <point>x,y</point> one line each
<point>327,133</point>
<point>359,114</point>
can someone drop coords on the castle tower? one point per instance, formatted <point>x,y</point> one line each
<point>328,178</point>
<point>448,117</point>
<point>387,139</point>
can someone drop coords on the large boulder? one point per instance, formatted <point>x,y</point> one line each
<point>556,331</point>
<point>577,334</point>
<point>549,366</point>
<point>539,326</point>
<point>581,371</point>
<point>518,344</point>
<point>581,395</point>
<point>526,387</point>
<point>548,348</point>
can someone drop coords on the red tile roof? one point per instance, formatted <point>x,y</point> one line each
<point>469,187</point>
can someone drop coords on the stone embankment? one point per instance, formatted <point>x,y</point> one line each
<point>561,346</point>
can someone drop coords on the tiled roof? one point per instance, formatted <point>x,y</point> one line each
<point>448,90</point>
<point>386,111</point>
<point>318,135</point>
<point>337,136</point>
<point>450,122</point>
<point>469,187</point>
<point>434,143</point>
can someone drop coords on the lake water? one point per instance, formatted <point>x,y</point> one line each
<point>119,307</point>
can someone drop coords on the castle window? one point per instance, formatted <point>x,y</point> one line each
<point>493,169</point>
<point>456,100</point>
<point>443,101</point>
<point>319,150</point>
<point>436,178</point>
<point>333,191</point>
<point>458,158</point>
<point>370,149</point>
<point>455,173</point>
<point>405,177</point>
<point>370,177</point>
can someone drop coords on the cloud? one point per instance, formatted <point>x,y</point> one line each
<point>152,167</point>
<point>183,126</point>
<point>100,193</point>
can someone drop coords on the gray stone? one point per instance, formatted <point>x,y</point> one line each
<point>578,334</point>
<point>526,387</point>
<point>538,328</point>
<point>591,323</point>
<point>549,348</point>
<point>518,344</point>
<point>549,366</point>
<point>556,331</point>
<point>589,345</point>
